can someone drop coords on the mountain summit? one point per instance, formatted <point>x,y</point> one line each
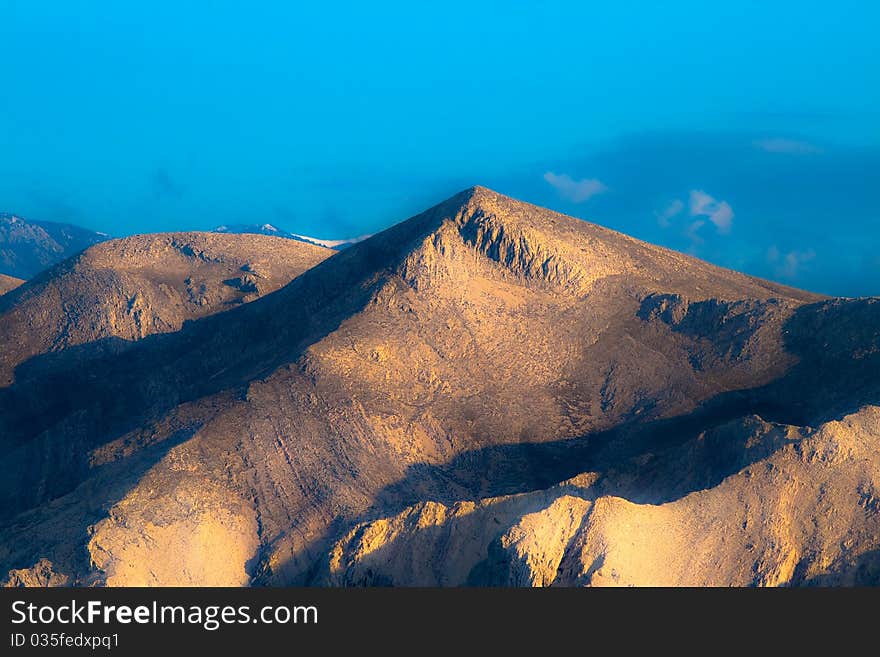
<point>486,393</point>
<point>120,291</point>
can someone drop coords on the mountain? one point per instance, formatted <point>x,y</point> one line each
<point>333,244</point>
<point>269,229</point>
<point>485,393</point>
<point>8,283</point>
<point>800,508</point>
<point>29,247</point>
<point>121,291</point>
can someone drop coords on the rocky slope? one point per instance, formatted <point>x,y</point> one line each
<point>398,410</point>
<point>8,283</point>
<point>29,247</point>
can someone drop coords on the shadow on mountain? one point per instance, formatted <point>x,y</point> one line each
<point>644,455</point>
<point>864,570</point>
<point>831,380</point>
<point>86,396</point>
<point>61,533</point>
<point>64,404</point>
<point>838,346</point>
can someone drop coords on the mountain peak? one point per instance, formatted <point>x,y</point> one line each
<point>533,246</point>
<point>479,191</point>
<point>129,288</point>
<point>478,202</point>
<point>478,196</point>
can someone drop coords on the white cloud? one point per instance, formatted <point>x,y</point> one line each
<point>789,265</point>
<point>790,146</point>
<point>577,191</point>
<point>671,210</point>
<point>719,212</point>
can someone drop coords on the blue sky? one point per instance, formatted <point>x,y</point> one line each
<point>747,133</point>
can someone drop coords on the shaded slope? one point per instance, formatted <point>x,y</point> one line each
<point>805,511</point>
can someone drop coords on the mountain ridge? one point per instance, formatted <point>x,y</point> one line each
<point>29,247</point>
<point>483,348</point>
<point>129,288</point>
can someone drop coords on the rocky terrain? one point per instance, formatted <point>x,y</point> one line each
<point>120,291</point>
<point>29,247</point>
<point>486,393</point>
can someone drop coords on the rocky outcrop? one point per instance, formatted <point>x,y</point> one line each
<point>41,574</point>
<point>807,513</point>
<point>514,540</point>
<point>199,536</point>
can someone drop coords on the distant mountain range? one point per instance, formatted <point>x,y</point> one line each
<point>29,247</point>
<point>486,394</point>
<point>269,229</point>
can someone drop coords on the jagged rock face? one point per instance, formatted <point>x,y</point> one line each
<point>8,283</point>
<point>446,373</point>
<point>806,513</point>
<point>121,291</point>
<point>514,540</point>
<point>41,574</point>
<point>29,247</point>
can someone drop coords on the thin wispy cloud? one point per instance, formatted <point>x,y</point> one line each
<point>671,210</point>
<point>693,232</point>
<point>576,191</point>
<point>719,212</point>
<point>789,265</point>
<point>788,146</point>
